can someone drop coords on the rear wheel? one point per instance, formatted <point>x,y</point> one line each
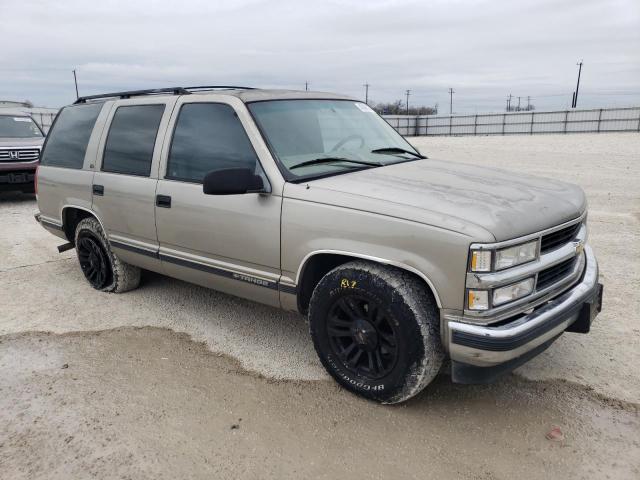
<point>375,329</point>
<point>101,267</point>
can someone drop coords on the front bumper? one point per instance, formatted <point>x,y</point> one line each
<point>481,352</point>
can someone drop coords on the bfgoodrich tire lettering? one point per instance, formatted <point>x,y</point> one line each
<point>394,350</point>
<point>94,253</point>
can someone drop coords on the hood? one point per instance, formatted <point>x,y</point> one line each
<point>456,196</point>
<point>21,142</point>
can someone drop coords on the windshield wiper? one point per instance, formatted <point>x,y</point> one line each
<point>320,161</point>
<point>397,150</point>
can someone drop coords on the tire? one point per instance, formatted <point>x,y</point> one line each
<point>376,331</point>
<point>101,267</point>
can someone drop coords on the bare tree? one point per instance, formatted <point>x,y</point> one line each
<point>398,108</point>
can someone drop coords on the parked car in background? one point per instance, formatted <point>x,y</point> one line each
<point>21,140</point>
<point>311,202</point>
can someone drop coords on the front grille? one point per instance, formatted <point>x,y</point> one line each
<point>556,239</point>
<point>19,155</point>
<point>551,275</point>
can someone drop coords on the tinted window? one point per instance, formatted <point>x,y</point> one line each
<point>68,139</point>
<point>208,136</point>
<point>131,139</point>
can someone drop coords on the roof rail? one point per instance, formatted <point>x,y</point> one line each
<point>157,91</point>
<point>134,93</point>
<point>219,87</point>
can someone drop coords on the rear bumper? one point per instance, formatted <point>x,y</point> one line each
<point>484,352</point>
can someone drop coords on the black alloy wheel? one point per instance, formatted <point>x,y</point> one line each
<point>93,261</point>
<point>362,336</point>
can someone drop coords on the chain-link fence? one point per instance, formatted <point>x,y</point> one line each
<point>528,123</point>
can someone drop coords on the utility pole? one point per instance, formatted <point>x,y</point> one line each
<point>407,93</point>
<point>306,85</point>
<point>451,92</point>
<point>509,102</point>
<point>528,103</point>
<point>575,96</point>
<point>518,108</point>
<point>366,93</point>
<point>75,80</point>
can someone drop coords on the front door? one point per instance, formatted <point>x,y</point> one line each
<point>227,242</point>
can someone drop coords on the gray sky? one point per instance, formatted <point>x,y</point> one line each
<point>483,49</point>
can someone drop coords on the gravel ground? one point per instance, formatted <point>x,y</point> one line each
<point>150,403</point>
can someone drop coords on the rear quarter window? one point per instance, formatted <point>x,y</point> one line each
<point>67,141</point>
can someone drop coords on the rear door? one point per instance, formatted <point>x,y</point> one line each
<point>124,184</point>
<point>227,242</point>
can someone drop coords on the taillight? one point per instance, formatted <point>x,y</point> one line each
<point>35,180</point>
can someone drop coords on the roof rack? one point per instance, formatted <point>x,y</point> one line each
<point>157,91</point>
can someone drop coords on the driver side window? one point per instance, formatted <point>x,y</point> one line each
<point>208,136</point>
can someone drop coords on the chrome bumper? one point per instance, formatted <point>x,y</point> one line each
<point>487,346</point>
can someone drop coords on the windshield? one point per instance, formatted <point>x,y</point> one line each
<point>316,138</point>
<point>18,127</point>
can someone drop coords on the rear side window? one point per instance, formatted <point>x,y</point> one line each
<point>208,136</point>
<point>67,141</point>
<point>132,136</point>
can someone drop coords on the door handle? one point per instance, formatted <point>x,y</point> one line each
<point>98,189</point>
<point>163,201</point>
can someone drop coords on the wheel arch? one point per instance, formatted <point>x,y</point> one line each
<point>71,215</point>
<point>318,263</point>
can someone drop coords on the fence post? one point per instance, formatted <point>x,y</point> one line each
<point>599,119</point>
<point>450,123</point>
<point>426,125</point>
<point>566,116</point>
<point>532,114</point>
<point>475,125</point>
<point>417,129</point>
<point>504,121</point>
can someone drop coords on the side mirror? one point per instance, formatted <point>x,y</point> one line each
<point>232,181</point>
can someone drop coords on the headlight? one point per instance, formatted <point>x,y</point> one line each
<point>516,255</point>
<point>512,292</point>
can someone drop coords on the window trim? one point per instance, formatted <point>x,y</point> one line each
<point>155,139</point>
<point>166,175</point>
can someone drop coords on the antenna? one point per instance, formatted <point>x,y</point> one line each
<point>75,80</point>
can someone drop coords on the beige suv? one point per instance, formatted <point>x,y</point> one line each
<point>311,202</point>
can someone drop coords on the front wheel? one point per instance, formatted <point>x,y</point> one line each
<point>375,329</point>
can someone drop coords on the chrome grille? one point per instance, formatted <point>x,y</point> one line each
<point>19,155</point>
<point>558,238</point>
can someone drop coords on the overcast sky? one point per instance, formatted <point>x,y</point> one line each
<point>483,49</point>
